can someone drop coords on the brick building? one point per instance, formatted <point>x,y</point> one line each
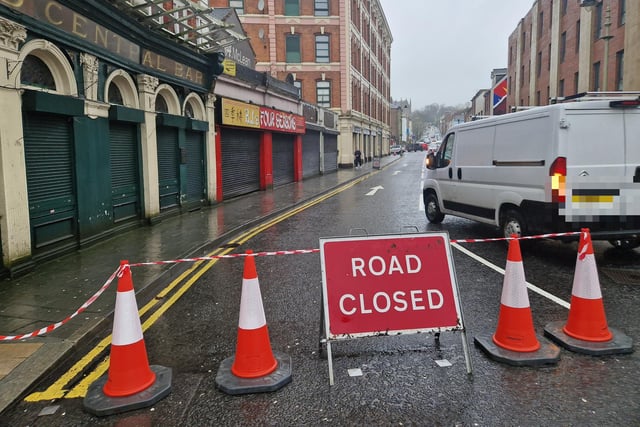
<point>337,52</point>
<point>564,47</point>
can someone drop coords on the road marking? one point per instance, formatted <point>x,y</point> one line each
<point>501,271</point>
<point>374,190</point>
<point>396,172</point>
<point>60,389</point>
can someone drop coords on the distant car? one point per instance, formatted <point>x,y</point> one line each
<point>395,149</point>
<point>433,147</point>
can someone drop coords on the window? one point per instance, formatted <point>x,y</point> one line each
<point>563,46</point>
<point>322,48</point>
<point>298,84</point>
<point>539,64</point>
<point>619,69</point>
<point>576,76</point>
<point>323,93</point>
<point>561,88</point>
<point>114,95</point>
<point>598,29</point>
<point>578,36</point>
<point>540,24</point>
<point>321,7</point>
<point>622,12</point>
<point>238,5</point>
<point>595,83</point>
<point>293,48</point>
<point>563,7</point>
<point>292,7</point>
<point>35,72</point>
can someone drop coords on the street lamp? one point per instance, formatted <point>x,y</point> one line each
<point>606,37</point>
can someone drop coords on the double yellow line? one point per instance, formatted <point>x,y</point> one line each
<point>61,387</point>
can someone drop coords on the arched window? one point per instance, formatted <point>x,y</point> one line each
<point>115,96</point>
<point>161,105</point>
<point>35,72</point>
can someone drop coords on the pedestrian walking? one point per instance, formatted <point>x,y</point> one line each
<point>358,158</point>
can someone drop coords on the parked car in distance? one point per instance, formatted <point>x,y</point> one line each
<point>395,149</point>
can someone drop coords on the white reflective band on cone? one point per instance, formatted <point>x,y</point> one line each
<point>126,323</point>
<point>251,309</point>
<point>585,280</point>
<point>514,295</point>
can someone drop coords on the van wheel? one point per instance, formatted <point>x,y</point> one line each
<point>432,209</point>
<point>630,243</point>
<point>512,223</point>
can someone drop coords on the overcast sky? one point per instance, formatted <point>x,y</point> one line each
<point>443,51</point>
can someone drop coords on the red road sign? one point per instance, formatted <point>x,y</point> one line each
<point>388,284</point>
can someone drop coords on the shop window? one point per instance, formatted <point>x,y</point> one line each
<point>34,72</point>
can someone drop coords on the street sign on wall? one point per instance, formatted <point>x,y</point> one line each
<point>388,285</point>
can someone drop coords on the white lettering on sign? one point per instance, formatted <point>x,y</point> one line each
<point>377,266</point>
<point>277,120</point>
<point>382,302</point>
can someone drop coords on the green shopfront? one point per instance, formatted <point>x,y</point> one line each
<point>105,125</point>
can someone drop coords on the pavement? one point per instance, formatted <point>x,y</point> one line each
<point>58,288</point>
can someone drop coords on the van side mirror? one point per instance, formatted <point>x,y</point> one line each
<point>431,161</point>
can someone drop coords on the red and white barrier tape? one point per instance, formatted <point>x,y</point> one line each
<point>55,326</point>
<point>95,296</point>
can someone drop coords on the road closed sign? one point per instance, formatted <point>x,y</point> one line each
<point>389,284</point>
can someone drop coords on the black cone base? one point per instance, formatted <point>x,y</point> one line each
<point>618,344</point>
<point>97,403</point>
<point>547,354</point>
<point>231,384</point>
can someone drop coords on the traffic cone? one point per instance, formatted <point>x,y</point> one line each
<point>586,329</point>
<point>130,383</point>
<point>255,367</point>
<point>515,340</point>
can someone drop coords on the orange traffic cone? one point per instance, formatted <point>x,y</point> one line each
<point>515,330</point>
<point>129,371</point>
<point>586,329</point>
<point>515,340</point>
<point>255,367</point>
<point>587,320</point>
<point>254,357</point>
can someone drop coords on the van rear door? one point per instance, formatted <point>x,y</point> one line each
<point>597,170</point>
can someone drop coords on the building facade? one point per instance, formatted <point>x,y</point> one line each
<point>113,116</point>
<point>337,52</point>
<point>565,47</point>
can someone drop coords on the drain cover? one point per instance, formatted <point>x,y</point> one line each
<point>623,276</point>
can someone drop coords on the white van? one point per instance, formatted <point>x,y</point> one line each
<point>547,169</point>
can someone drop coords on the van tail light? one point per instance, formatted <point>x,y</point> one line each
<point>558,174</point>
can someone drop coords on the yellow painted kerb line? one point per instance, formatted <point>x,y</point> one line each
<point>59,388</point>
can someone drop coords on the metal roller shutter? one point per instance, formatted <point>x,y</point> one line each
<point>168,167</point>
<point>310,154</point>
<point>50,179</point>
<point>240,162</point>
<point>125,181</point>
<point>195,167</point>
<point>282,159</point>
<point>330,153</point>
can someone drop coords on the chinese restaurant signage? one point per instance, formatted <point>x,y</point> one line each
<point>235,113</point>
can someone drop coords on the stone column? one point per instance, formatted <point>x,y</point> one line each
<point>14,200</point>
<point>210,152</point>
<point>147,93</point>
